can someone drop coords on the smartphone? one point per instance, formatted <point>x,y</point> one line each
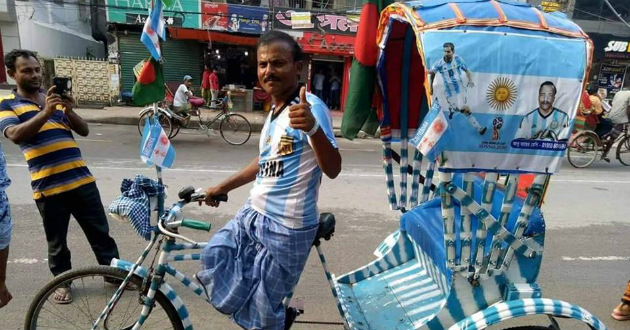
<point>62,85</point>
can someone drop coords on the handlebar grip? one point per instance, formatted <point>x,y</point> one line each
<point>198,225</point>
<point>221,198</point>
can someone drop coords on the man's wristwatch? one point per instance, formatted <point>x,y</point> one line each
<point>313,130</point>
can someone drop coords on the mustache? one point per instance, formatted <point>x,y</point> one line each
<point>271,78</point>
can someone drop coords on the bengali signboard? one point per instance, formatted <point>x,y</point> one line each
<point>214,16</point>
<point>182,13</point>
<point>246,19</point>
<point>329,23</point>
<point>611,77</point>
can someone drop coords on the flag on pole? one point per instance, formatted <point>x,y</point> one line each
<point>431,137</point>
<point>149,86</point>
<point>155,147</point>
<point>154,29</point>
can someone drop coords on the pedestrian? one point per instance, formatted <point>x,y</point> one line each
<point>622,311</point>
<point>205,84</point>
<point>5,231</point>
<point>318,81</point>
<point>214,85</point>
<point>41,123</point>
<point>618,116</point>
<point>335,88</point>
<point>255,261</point>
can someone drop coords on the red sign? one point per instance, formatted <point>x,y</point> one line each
<point>331,44</point>
<point>214,16</point>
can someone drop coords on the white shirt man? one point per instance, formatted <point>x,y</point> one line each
<point>180,100</point>
<point>619,110</point>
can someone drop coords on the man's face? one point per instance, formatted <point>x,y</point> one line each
<point>448,54</point>
<point>277,72</point>
<point>27,74</point>
<point>546,98</point>
<point>188,83</point>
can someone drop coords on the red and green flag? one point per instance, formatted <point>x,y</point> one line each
<point>149,87</point>
<point>360,111</point>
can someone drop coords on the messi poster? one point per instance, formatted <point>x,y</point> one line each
<point>500,102</point>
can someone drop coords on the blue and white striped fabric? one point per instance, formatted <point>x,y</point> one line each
<point>451,73</point>
<point>6,226</point>
<point>133,203</point>
<point>251,265</point>
<point>287,184</point>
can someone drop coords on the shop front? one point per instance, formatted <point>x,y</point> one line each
<point>328,42</point>
<point>611,63</point>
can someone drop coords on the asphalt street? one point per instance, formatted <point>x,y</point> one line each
<point>586,261</point>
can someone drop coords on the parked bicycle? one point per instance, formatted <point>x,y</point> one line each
<point>234,128</point>
<point>586,146</point>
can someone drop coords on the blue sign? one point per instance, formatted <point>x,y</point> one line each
<point>246,19</point>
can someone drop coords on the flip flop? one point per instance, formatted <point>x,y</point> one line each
<point>62,296</point>
<point>620,317</point>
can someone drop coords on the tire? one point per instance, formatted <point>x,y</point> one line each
<point>169,128</point>
<point>86,311</point>
<point>583,149</point>
<point>623,150</point>
<point>235,129</point>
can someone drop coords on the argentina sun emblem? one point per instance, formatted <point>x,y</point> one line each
<point>501,93</point>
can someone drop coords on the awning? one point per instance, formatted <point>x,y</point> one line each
<point>204,35</point>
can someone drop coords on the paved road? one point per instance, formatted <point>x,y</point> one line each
<point>586,259</point>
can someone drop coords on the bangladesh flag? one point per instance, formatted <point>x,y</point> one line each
<point>149,87</point>
<point>360,113</point>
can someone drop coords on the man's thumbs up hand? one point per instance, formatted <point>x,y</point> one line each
<point>300,115</point>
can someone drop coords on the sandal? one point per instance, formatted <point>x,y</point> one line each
<point>62,296</point>
<point>622,311</point>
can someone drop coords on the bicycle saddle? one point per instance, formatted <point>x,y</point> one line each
<point>326,227</point>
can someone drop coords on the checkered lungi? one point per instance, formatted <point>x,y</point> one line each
<point>251,265</point>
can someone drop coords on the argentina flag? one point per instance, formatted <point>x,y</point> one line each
<point>155,147</point>
<point>154,28</point>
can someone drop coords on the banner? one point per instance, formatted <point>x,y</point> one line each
<point>505,109</point>
<point>180,13</point>
<point>246,19</point>
<point>328,23</point>
<point>214,16</point>
<point>611,77</point>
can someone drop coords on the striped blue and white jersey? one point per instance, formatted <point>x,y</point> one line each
<point>538,127</point>
<point>452,73</point>
<point>287,185</point>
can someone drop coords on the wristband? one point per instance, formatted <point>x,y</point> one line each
<point>313,130</point>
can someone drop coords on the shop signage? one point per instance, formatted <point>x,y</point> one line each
<point>617,49</point>
<point>550,6</point>
<point>329,23</point>
<point>182,12</point>
<point>611,77</point>
<point>327,43</point>
<point>234,18</point>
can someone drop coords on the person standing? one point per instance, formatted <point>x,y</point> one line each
<point>335,88</point>
<point>41,123</point>
<point>255,261</point>
<point>5,231</point>
<point>214,85</point>
<point>318,81</point>
<point>205,84</point>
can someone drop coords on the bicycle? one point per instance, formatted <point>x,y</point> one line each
<point>91,286</point>
<point>585,146</point>
<point>235,129</point>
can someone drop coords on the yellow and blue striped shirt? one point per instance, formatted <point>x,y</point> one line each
<point>53,156</point>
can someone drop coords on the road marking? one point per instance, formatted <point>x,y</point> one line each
<point>25,261</point>
<point>604,258</point>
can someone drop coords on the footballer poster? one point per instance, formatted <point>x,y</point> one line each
<point>496,107</point>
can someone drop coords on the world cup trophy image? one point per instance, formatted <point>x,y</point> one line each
<point>497,123</point>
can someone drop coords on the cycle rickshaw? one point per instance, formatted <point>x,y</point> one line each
<point>471,238</point>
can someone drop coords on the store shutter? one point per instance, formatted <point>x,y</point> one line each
<point>181,57</point>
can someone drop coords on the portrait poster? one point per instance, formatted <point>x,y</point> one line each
<point>506,106</point>
<point>611,77</point>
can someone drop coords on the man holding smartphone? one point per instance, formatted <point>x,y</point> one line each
<point>41,123</point>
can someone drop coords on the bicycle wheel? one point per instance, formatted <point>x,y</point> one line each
<point>165,122</point>
<point>583,149</point>
<point>235,129</point>
<point>623,150</point>
<point>90,295</point>
<point>174,130</point>
<point>145,116</point>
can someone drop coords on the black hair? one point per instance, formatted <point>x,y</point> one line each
<point>548,83</point>
<point>592,89</point>
<point>276,36</point>
<point>449,44</point>
<point>11,57</point>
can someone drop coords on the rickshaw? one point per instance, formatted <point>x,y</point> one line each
<point>461,83</point>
